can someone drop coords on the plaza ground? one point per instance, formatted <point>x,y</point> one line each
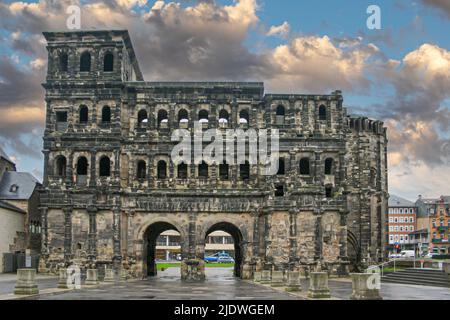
<point>220,284</point>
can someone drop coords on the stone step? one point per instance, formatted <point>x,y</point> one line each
<point>417,282</point>
<point>416,276</point>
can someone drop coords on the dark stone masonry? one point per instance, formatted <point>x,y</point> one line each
<point>110,188</point>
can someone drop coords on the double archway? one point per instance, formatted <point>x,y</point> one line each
<point>189,244</point>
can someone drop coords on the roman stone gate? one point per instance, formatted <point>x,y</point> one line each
<point>111,185</point>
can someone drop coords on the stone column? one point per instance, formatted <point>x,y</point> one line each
<point>257,276</point>
<point>26,282</point>
<point>92,236</point>
<point>318,233</point>
<point>193,266</point>
<point>91,277</point>
<point>293,281</point>
<point>343,256</point>
<point>318,285</point>
<point>265,276</point>
<point>117,258</point>
<point>277,279</point>
<point>62,282</point>
<point>93,175</point>
<point>293,259</point>
<point>44,240</point>
<point>363,288</point>
<point>67,235</point>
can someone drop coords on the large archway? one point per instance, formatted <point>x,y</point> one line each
<point>150,238</point>
<point>236,234</point>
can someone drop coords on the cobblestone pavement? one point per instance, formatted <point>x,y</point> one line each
<point>220,284</point>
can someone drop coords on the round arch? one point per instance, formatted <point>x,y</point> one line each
<point>239,238</point>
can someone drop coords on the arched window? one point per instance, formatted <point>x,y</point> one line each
<point>244,170</point>
<point>279,191</point>
<point>182,171</point>
<point>162,118</point>
<point>281,170</point>
<point>106,114</point>
<point>61,164</point>
<point>183,116</point>
<point>82,165</point>
<point>162,169</point>
<point>108,62</point>
<point>280,113</point>
<point>304,166</point>
<point>85,62</point>
<point>203,170</point>
<point>84,114</point>
<point>105,167</point>
<point>141,170</point>
<point>322,112</point>
<point>224,117</point>
<point>244,118</point>
<point>63,62</point>
<point>142,117</point>
<point>203,116</point>
<point>329,166</point>
<point>223,171</point>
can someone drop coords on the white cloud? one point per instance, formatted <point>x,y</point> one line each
<point>281,30</point>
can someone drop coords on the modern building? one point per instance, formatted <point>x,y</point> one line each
<point>20,223</point>
<point>402,221</point>
<point>111,186</point>
<point>168,246</point>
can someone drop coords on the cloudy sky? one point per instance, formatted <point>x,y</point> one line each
<point>399,74</point>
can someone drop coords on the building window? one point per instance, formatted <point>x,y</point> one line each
<point>203,116</point>
<point>223,171</point>
<point>224,118</point>
<point>163,119</point>
<point>142,118</point>
<point>203,170</point>
<point>279,191</point>
<point>304,166</point>
<point>85,62</point>
<point>322,113</point>
<point>280,115</point>
<point>105,167</point>
<point>14,188</point>
<point>63,62</point>
<point>390,219</point>
<point>395,219</point>
<point>183,116</point>
<point>106,114</point>
<point>328,192</point>
<point>328,166</point>
<point>182,171</point>
<point>61,120</point>
<point>108,62</point>
<point>82,165</point>
<point>61,165</point>
<point>244,170</point>
<point>162,169</point>
<point>83,114</point>
<point>281,170</point>
<point>141,169</point>
<point>244,117</point>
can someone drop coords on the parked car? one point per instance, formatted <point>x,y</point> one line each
<point>394,255</point>
<point>407,254</point>
<point>215,257</point>
<point>225,259</point>
<point>431,255</point>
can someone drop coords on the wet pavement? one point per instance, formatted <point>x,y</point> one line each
<point>219,284</point>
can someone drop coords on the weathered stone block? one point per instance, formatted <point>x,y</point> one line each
<point>363,287</point>
<point>62,282</point>
<point>109,275</point>
<point>277,279</point>
<point>92,277</point>
<point>318,286</point>
<point>257,276</point>
<point>265,276</point>
<point>26,282</point>
<point>293,281</point>
<point>193,270</point>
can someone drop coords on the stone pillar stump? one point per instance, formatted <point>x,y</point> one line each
<point>265,276</point>
<point>363,287</point>
<point>318,286</point>
<point>257,276</point>
<point>193,270</point>
<point>293,281</point>
<point>62,282</point>
<point>277,279</point>
<point>109,275</point>
<point>26,282</point>
<point>91,277</point>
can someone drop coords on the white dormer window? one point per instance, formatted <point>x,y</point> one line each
<point>14,188</point>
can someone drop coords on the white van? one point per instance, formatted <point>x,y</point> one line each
<point>407,254</point>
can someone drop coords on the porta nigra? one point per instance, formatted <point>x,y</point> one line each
<point>111,187</point>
